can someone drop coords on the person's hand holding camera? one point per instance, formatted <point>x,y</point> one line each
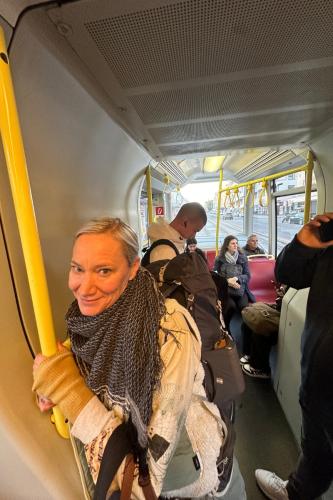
<point>318,233</point>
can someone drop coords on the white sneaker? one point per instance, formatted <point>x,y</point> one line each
<point>244,359</point>
<point>271,485</point>
<point>253,372</point>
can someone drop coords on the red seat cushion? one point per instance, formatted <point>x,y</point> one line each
<point>210,255</point>
<point>262,282</point>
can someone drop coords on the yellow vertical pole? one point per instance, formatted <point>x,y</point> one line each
<point>149,195</point>
<point>20,186</point>
<point>308,186</point>
<point>218,211</point>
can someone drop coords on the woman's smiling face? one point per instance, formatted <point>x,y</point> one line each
<point>99,272</point>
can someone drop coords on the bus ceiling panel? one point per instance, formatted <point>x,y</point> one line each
<point>237,126</point>
<point>210,73</point>
<point>11,9</point>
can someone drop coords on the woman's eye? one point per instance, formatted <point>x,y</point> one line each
<point>104,272</point>
<point>76,269</point>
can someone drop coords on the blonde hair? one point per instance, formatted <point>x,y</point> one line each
<point>119,230</point>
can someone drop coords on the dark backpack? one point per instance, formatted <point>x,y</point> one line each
<point>187,279</point>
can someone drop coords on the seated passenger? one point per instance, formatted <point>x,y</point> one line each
<point>252,247</point>
<point>191,246</point>
<point>259,333</point>
<point>232,264</point>
<point>134,360</point>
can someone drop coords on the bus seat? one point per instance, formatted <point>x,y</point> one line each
<point>210,255</point>
<point>262,281</point>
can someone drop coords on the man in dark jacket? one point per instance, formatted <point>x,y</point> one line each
<point>308,262</point>
<point>252,247</point>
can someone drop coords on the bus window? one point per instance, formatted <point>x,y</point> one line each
<point>291,181</point>
<point>290,216</point>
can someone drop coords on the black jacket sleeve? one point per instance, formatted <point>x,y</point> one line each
<point>296,264</point>
<point>217,265</point>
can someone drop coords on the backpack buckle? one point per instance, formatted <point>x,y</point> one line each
<point>190,301</point>
<point>161,273</point>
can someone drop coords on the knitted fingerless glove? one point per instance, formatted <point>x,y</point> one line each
<point>59,379</point>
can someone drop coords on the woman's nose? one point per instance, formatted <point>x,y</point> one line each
<point>87,285</point>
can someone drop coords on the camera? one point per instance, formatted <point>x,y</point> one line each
<point>326,231</point>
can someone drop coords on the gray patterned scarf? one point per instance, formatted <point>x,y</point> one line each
<point>117,350</point>
<point>231,257</point>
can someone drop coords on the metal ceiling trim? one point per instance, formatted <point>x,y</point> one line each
<point>231,137</point>
<point>229,116</point>
<point>248,74</point>
<point>171,168</point>
<point>298,161</point>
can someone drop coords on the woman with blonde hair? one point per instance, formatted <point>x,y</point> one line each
<point>135,361</point>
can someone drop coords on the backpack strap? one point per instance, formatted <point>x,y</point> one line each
<point>190,328</point>
<point>118,446</point>
<point>146,258</point>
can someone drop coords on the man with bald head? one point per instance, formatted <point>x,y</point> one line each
<point>190,219</point>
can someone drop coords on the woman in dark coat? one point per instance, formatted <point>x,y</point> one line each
<point>232,264</point>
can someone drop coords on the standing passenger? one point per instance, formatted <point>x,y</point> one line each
<point>308,262</point>
<point>190,219</point>
<point>135,359</point>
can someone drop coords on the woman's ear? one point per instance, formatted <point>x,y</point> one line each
<point>134,268</point>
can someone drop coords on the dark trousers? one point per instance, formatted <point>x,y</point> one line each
<point>314,473</point>
<point>233,305</point>
<point>238,303</point>
<point>258,347</point>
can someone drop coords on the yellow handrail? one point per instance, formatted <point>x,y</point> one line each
<point>268,177</point>
<point>218,212</point>
<point>20,186</point>
<point>149,195</point>
<point>308,186</point>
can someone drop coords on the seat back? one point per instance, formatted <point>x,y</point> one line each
<point>262,282</point>
<point>210,255</point>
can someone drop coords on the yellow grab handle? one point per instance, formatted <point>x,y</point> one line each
<point>249,192</point>
<point>263,193</point>
<point>227,199</point>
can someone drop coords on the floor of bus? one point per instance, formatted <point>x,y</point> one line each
<point>264,439</point>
